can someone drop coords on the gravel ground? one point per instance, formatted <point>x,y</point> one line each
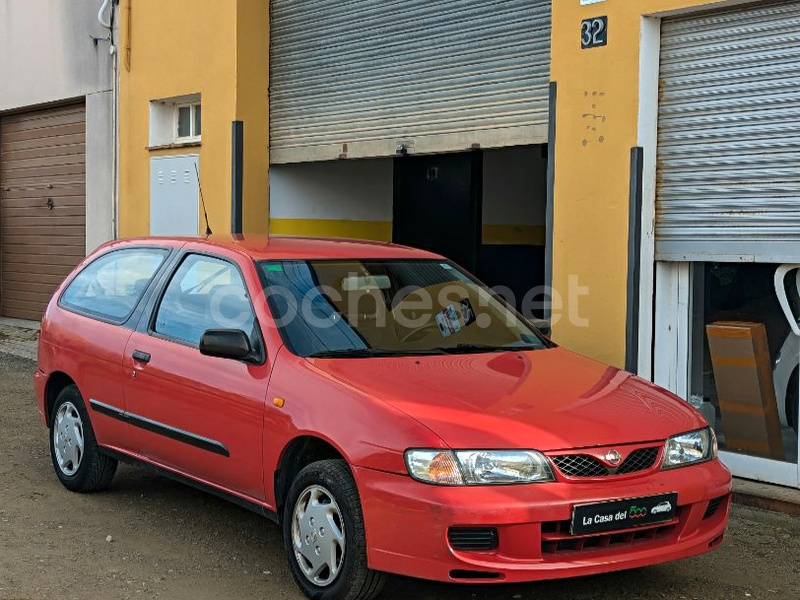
<point>170,541</point>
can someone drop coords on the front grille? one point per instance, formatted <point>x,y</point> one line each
<point>472,538</point>
<point>583,465</point>
<point>713,506</point>
<point>556,538</point>
<point>638,460</point>
<point>580,465</point>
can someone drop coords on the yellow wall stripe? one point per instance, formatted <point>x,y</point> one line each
<point>526,235</point>
<point>523,235</point>
<point>362,230</point>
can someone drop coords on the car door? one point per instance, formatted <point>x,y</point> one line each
<point>199,415</point>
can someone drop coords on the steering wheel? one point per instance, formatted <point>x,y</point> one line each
<point>413,332</point>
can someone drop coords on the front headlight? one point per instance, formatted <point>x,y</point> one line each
<point>690,448</point>
<point>478,467</point>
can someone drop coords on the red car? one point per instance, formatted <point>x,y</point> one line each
<point>381,405</point>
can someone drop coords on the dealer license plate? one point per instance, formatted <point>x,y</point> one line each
<point>622,514</point>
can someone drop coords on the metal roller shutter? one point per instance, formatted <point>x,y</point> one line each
<point>356,77</point>
<point>728,183</point>
<point>42,156</point>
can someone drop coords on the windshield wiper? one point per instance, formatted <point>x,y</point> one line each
<point>477,348</point>
<point>370,352</point>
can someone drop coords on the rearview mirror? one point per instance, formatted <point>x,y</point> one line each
<point>226,343</point>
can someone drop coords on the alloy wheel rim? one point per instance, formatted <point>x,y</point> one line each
<point>318,535</point>
<point>68,441</point>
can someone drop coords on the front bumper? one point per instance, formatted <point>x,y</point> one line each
<point>407,524</point>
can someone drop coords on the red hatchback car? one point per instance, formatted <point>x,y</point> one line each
<point>380,404</point>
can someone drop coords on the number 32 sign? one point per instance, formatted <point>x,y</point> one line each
<point>594,32</point>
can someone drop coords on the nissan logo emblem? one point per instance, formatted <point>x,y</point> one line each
<point>613,457</point>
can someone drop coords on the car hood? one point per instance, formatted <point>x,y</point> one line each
<point>545,399</point>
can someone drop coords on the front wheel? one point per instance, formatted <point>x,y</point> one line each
<point>323,531</point>
<point>76,457</point>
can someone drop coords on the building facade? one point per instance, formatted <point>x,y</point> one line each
<point>206,74</point>
<point>638,156</point>
<point>57,150</point>
<point>676,200</point>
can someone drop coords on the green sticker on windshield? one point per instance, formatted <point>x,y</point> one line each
<point>274,267</point>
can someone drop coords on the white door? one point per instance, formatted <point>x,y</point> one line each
<point>174,195</point>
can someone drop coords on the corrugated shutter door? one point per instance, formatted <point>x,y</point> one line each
<point>356,77</point>
<point>42,156</point>
<point>728,183</point>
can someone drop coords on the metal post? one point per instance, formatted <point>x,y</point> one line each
<point>634,261</point>
<point>237,176</point>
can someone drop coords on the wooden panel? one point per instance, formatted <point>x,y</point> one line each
<point>746,393</point>
<point>50,161</point>
<point>38,191</point>
<point>36,222</point>
<point>26,139</point>
<point>12,175</point>
<point>45,278</point>
<point>35,211</point>
<point>42,156</point>
<point>48,152</point>
<point>17,228</point>
<point>44,119</point>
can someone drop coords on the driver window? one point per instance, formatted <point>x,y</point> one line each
<point>205,293</point>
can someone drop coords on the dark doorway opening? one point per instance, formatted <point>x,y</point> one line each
<point>483,209</point>
<point>437,204</point>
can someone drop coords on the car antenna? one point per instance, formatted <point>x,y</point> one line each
<point>202,200</point>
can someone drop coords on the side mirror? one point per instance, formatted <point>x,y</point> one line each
<point>226,343</point>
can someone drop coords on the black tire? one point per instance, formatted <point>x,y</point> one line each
<point>95,470</point>
<point>355,580</point>
<point>791,399</point>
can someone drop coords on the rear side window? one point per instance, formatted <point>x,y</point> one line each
<point>205,293</point>
<point>111,286</point>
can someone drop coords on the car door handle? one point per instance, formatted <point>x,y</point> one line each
<point>140,356</point>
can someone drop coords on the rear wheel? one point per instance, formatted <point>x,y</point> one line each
<point>323,529</point>
<point>76,457</point>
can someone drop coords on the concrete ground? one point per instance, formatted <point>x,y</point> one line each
<point>170,541</point>
<point>19,338</point>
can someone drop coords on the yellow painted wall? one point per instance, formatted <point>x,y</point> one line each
<point>219,50</point>
<point>252,107</point>
<point>597,125</point>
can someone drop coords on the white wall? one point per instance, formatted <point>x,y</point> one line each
<point>46,54</point>
<point>99,169</point>
<point>349,190</point>
<point>514,189</point>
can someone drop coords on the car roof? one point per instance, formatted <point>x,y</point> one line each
<point>262,247</point>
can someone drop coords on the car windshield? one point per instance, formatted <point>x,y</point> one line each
<point>362,308</point>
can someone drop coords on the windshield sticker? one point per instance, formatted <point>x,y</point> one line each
<point>455,317</point>
<point>448,321</point>
<point>467,312</point>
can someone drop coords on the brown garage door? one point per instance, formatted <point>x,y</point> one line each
<point>42,205</point>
